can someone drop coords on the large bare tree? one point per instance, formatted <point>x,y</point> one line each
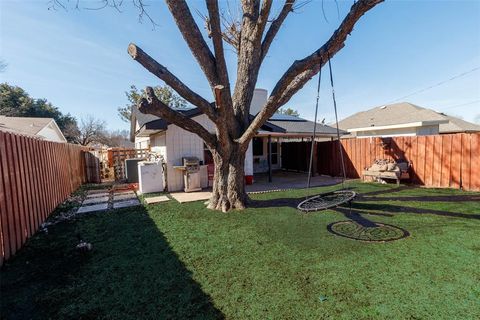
<point>251,37</point>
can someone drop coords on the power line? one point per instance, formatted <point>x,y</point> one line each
<point>436,85</point>
<point>459,105</point>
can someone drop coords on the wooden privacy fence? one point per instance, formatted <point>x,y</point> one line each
<point>35,176</point>
<point>449,160</point>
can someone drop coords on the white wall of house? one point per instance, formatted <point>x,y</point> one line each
<point>398,132</point>
<point>142,142</point>
<point>51,132</point>
<point>176,143</point>
<point>158,143</point>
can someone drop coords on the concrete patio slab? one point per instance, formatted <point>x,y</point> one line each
<point>191,196</point>
<point>95,200</point>
<point>96,195</point>
<point>124,196</point>
<point>157,199</point>
<point>92,208</point>
<point>126,203</point>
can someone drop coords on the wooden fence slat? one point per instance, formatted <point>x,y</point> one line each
<point>20,214</point>
<point>5,206</point>
<point>466,157</point>
<point>429,146</point>
<point>446,160</point>
<point>28,178</point>
<point>36,184</point>
<point>456,160</point>
<point>50,180</point>
<point>475,162</point>
<point>52,197</point>
<point>16,230</point>
<point>10,197</point>
<point>437,160</point>
<point>41,179</point>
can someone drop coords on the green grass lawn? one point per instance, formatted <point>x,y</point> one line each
<point>172,261</point>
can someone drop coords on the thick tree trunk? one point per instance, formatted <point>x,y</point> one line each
<point>229,181</point>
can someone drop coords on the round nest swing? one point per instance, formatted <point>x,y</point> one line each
<point>329,199</point>
<point>326,200</point>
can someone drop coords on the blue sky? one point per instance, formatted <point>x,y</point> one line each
<point>78,60</point>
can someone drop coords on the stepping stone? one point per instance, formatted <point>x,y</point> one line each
<point>126,203</point>
<point>156,199</point>
<point>191,196</point>
<point>95,200</point>
<point>95,207</point>
<point>126,196</point>
<point>96,195</point>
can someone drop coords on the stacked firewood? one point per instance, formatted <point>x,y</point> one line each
<point>383,165</point>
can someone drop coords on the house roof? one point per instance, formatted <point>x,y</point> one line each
<point>278,123</point>
<point>405,113</point>
<point>302,126</point>
<point>458,125</point>
<point>150,124</point>
<point>24,125</point>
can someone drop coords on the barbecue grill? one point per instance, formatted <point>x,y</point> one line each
<point>191,173</point>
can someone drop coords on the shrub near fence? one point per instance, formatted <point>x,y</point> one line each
<point>447,160</point>
<point>35,176</point>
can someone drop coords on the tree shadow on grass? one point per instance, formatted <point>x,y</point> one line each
<point>364,203</point>
<point>131,273</point>
<point>399,209</point>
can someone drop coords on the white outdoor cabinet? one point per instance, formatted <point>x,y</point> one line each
<point>150,177</point>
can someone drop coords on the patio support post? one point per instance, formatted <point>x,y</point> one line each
<point>269,158</point>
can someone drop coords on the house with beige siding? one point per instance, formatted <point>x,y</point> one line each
<point>403,119</point>
<point>40,128</point>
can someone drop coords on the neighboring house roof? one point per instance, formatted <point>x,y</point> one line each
<point>455,125</point>
<point>278,123</point>
<point>30,126</point>
<point>404,113</point>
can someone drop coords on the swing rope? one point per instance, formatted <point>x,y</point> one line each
<point>314,131</point>
<point>334,198</point>
<point>344,175</point>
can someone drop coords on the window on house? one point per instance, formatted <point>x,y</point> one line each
<point>274,152</point>
<point>257,146</point>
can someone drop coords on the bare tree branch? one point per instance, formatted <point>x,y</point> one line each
<point>249,62</point>
<point>216,34</point>
<point>162,72</point>
<point>152,105</point>
<point>275,26</point>
<point>303,70</point>
<point>192,35</point>
<point>225,105</point>
<point>231,32</point>
<point>264,13</point>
